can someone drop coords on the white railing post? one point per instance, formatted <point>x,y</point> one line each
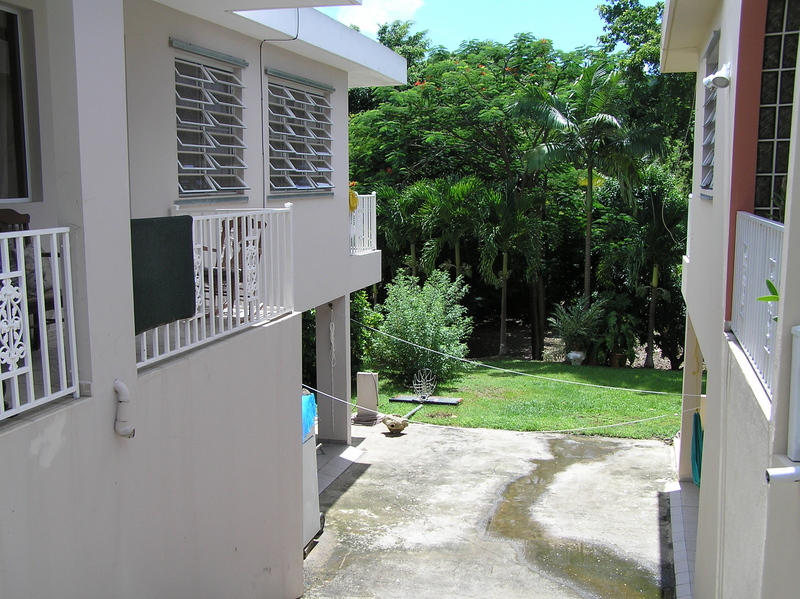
<point>38,353</point>
<point>242,272</point>
<point>759,244</point>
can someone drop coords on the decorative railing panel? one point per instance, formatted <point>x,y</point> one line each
<point>38,359</point>
<point>363,227</point>
<point>243,276</point>
<point>758,257</point>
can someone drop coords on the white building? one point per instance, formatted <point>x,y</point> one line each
<point>744,228</point>
<point>113,112</point>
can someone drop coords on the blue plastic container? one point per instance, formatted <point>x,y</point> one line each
<point>309,414</point>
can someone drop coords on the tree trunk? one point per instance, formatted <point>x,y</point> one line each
<point>651,320</point>
<point>503,309</point>
<point>458,259</point>
<point>413,259</point>
<point>537,319</point>
<point>587,256</point>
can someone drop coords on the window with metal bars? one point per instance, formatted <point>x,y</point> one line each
<point>208,110</point>
<point>299,139</point>
<point>775,112</point>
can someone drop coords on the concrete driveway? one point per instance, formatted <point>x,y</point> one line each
<point>443,512</point>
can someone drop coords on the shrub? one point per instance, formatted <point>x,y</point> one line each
<point>428,315</point>
<point>578,325</point>
<point>362,338</point>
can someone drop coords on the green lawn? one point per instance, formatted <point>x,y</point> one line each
<point>494,399</point>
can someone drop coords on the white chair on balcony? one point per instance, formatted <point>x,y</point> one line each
<point>13,221</point>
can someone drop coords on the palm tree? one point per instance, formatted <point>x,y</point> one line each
<point>509,226</point>
<point>660,238</point>
<point>399,219</point>
<point>448,216</point>
<point>650,241</point>
<point>587,134</point>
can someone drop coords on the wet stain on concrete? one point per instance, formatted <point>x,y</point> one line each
<point>590,569</point>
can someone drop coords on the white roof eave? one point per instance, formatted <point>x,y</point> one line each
<point>309,33</point>
<point>684,31</point>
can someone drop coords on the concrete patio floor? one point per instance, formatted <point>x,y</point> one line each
<point>443,512</point>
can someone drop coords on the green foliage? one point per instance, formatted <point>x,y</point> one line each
<point>640,248</point>
<point>589,134</point>
<point>773,296</point>
<point>413,47</point>
<point>653,99</point>
<point>454,117</point>
<point>362,338</point>
<point>579,325</point>
<point>429,315</point>
<point>618,336</point>
<point>529,122</point>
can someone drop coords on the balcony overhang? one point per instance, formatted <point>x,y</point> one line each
<point>306,32</point>
<point>685,30</point>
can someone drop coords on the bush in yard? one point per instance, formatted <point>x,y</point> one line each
<point>362,338</point>
<point>429,315</point>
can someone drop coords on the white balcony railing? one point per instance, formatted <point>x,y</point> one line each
<point>758,258</point>
<point>243,276</point>
<point>38,359</point>
<point>363,228</point>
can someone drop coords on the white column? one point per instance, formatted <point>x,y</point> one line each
<point>333,370</point>
<point>90,153</point>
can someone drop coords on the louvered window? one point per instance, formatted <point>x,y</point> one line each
<point>208,110</point>
<point>709,124</point>
<point>299,139</point>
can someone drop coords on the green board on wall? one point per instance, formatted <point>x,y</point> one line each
<point>163,270</point>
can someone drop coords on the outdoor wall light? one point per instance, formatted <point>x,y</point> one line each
<point>721,78</point>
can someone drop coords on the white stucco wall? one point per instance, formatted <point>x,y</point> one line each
<point>205,500</point>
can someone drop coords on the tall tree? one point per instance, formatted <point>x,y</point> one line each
<point>399,220</point>
<point>508,228</point>
<point>448,216</point>
<point>413,46</point>
<point>590,136</point>
<point>632,32</point>
<point>648,240</point>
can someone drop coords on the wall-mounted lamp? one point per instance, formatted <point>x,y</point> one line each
<point>721,78</point>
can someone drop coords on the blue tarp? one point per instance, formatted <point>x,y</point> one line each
<point>309,414</point>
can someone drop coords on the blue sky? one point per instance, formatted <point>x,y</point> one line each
<point>569,23</point>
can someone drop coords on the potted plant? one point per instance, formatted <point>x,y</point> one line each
<point>618,344</point>
<point>577,326</point>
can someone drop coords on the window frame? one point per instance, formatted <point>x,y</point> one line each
<point>300,136</point>
<point>218,132</point>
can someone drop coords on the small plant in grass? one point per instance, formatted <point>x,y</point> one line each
<point>428,315</point>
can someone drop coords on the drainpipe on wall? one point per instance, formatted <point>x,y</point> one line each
<point>123,401</point>
<point>790,474</point>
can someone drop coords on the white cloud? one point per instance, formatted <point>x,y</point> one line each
<point>373,13</point>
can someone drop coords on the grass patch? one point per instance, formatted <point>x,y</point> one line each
<point>501,400</point>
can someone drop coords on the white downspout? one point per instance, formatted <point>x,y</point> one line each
<point>789,474</point>
<point>123,401</point>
